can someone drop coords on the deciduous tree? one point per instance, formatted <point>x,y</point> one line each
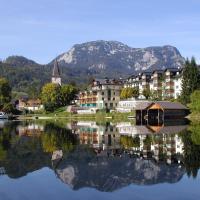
<point>54,96</point>
<point>129,92</point>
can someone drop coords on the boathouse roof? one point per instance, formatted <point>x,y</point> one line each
<point>162,104</point>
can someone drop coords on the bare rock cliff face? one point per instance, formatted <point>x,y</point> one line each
<point>111,58</point>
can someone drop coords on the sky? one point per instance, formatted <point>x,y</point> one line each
<point>42,29</point>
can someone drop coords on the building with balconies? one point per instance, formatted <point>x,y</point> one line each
<point>103,94</point>
<point>172,84</point>
<point>162,83</point>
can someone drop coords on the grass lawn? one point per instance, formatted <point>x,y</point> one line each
<point>99,116</point>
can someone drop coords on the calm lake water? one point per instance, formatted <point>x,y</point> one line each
<point>88,160</point>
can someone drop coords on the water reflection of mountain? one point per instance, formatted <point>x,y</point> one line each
<point>83,169</point>
<point>25,156</point>
<point>106,157</point>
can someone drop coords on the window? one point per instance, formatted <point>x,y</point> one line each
<point>113,99</point>
<point>102,98</point>
<point>102,93</point>
<point>111,105</point>
<point>109,93</point>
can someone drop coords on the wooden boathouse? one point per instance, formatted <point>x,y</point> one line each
<point>159,111</point>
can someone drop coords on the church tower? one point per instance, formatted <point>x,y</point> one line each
<point>56,74</point>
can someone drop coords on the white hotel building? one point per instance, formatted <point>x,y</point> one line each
<point>166,83</point>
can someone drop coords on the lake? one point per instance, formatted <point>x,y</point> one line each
<point>91,160</point>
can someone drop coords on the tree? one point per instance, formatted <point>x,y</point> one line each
<point>9,108</point>
<point>5,91</point>
<point>51,96</point>
<point>54,96</point>
<point>191,155</point>
<point>134,92</point>
<point>147,93</point>
<point>129,92</point>
<point>128,141</point>
<point>68,93</point>
<point>57,138</point>
<point>190,81</point>
<point>156,96</point>
<point>195,101</point>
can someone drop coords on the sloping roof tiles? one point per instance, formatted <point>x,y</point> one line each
<point>163,104</point>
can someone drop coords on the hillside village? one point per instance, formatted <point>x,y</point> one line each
<point>118,95</point>
<point>122,94</point>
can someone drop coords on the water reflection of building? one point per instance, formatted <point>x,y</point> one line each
<point>158,142</point>
<point>98,136</point>
<point>154,142</point>
<point>82,167</point>
<point>141,155</point>
<point>3,123</point>
<point>30,129</point>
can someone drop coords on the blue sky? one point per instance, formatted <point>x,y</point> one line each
<point>42,29</point>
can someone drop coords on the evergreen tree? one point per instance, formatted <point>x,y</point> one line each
<point>190,80</point>
<point>147,93</point>
<point>5,92</point>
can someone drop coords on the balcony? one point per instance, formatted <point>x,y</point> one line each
<point>171,84</point>
<point>169,91</point>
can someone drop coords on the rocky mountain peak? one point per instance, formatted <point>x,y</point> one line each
<point>106,57</point>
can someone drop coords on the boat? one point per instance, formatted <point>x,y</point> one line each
<point>3,115</point>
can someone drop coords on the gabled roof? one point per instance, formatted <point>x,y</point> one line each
<point>132,76</point>
<point>146,73</point>
<point>170,105</point>
<point>172,69</point>
<point>159,71</point>
<point>172,129</point>
<point>143,105</point>
<point>163,104</point>
<point>107,81</point>
<point>56,70</point>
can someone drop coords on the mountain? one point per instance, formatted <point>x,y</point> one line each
<point>24,75</point>
<point>82,169</point>
<point>98,59</point>
<point>19,61</point>
<point>111,58</point>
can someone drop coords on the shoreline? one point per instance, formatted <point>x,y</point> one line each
<point>97,116</point>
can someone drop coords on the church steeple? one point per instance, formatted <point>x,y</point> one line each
<point>56,78</point>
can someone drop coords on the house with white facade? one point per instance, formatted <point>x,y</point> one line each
<point>102,94</point>
<point>162,83</point>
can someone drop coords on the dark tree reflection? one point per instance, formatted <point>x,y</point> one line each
<point>191,140</point>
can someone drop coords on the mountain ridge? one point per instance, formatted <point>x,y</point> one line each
<point>96,59</point>
<point>100,55</point>
<point>16,60</point>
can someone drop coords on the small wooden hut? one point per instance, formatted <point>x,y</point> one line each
<point>159,111</point>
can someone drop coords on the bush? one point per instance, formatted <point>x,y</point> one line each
<point>195,101</point>
<point>49,107</point>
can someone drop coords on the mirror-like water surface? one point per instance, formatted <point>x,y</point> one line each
<point>87,160</point>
